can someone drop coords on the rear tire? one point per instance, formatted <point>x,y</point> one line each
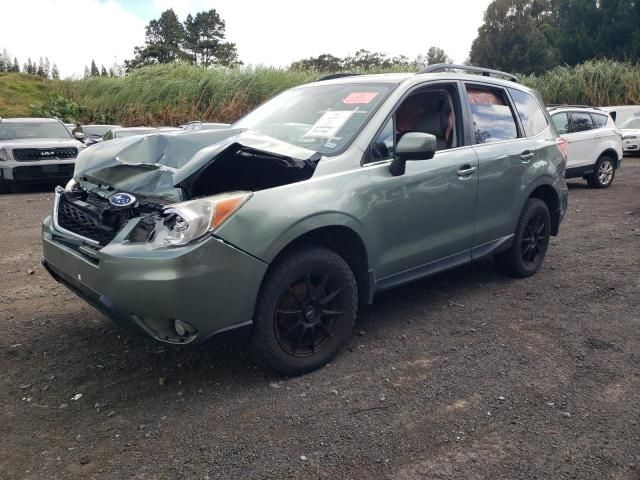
<point>603,173</point>
<point>530,241</point>
<point>305,311</point>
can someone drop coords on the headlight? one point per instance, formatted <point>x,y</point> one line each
<point>184,223</point>
<point>71,184</point>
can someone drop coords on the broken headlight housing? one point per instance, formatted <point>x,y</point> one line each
<point>71,185</point>
<point>183,223</point>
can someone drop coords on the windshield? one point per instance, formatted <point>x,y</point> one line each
<point>20,130</point>
<point>96,130</point>
<point>631,123</point>
<point>131,133</point>
<point>323,118</point>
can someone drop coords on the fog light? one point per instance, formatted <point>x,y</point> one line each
<point>180,327</point>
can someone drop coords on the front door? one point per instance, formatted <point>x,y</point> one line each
<point>423,220</point>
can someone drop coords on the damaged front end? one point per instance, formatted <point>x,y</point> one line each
<point>171,190</point>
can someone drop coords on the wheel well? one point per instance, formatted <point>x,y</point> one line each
<point>346,243</point>
<point>613,154</point>
<point>549,196</point>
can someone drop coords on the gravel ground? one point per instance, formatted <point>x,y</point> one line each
<point>466,375</point>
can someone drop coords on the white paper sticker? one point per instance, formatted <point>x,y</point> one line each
<point>329,124</point>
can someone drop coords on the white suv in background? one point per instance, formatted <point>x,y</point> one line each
<point>595,143</point>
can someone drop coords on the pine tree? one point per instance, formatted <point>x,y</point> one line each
<point>16,65</point>
<point>87,72</point>
<point>103,72</point>
<point>55,74</point>
<point>94,69</point>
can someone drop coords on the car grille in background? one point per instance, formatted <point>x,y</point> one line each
<point>75,220</point>
<point>35,154</point>
<point>43,173</point>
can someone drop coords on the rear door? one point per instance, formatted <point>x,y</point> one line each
<point>505,155</point>
<point>581,139</point>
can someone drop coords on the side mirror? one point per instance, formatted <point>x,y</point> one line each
<point>412,146</point>
<point>79,136</point>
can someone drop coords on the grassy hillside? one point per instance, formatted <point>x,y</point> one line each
<point>176,93</point>
<point>18,92</point>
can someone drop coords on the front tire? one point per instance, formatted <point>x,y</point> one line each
<point>603,173</point>
<point>305,311</point>
<point>530,241</point>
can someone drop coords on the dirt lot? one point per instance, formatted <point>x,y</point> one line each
<point>467,375</point>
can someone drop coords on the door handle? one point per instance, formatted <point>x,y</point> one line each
<point>527,156</point>
<point>466,171</point>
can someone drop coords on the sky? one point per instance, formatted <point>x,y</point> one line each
<point>276,32</point>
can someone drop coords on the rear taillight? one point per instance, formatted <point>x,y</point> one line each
<point>563,146</point>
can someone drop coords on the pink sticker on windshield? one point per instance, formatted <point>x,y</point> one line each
<point>359,98</point>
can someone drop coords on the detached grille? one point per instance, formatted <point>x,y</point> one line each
<point>74,219</point>
<point>35,154</point>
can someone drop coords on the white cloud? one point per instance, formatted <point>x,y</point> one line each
<point>70,32</point>
<point>280,31</point>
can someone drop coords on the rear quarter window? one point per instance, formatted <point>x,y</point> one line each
<point>599,121</point>
<point>531,114</point>
<point>493,119</point>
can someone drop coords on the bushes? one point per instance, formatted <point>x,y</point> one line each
<point>597,83</point>
<point>176,93</point>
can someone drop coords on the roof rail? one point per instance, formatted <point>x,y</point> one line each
<point>337,75</point>
<point>555,106</point>
<point>486,72</point>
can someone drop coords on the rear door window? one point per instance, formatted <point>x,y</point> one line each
<point>532,117</point>
<point>561,121</point>
<point>581,122</point>
<point>493,118</point>
<point>599,121</point>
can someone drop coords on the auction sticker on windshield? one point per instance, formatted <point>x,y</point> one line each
<point>329,124</point>
<point>359,98</point>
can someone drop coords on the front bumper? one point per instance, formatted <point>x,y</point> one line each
<point>210,286</point>
<point>37,171</point>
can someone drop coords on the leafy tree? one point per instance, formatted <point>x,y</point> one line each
<point>204,40</point>
<point>517,35</point>
<point>55,74</point>
<point>103,72</point>
<point>164,39</point>
<point>325,63</point>
<point>94,72</point>
<point>366,60</point>
<point>5,61</point>
<point>436,55</point>
<point>87,72</point>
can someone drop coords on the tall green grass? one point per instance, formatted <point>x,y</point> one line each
<point>598,83</point>
<point>176,93</point>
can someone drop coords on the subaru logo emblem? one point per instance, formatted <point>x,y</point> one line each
<point>122,199</point>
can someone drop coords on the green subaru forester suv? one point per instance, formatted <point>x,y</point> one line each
<point>282,224</point>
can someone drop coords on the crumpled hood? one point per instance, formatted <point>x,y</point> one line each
<point>157,165</point>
